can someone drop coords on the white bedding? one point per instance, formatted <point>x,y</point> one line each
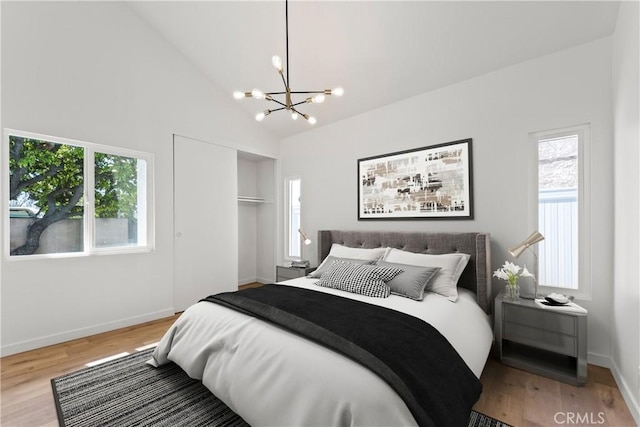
<point>271,377</point>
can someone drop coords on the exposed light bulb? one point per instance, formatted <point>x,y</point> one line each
<point>294,115</point>
<point>307,241</point>
<point>312,120</point>
<point>337,91</point>
<point>262,115</point>
<point>277,62</point>
<point>238,95</point>
<point>257,94</point>
<point>318,99</point>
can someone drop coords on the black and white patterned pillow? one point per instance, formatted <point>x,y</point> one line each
<point>369,280</point>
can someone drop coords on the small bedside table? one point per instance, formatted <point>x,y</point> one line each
<point>546,342</point>
<point>285,273</point>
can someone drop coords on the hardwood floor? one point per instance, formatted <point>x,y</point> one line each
<point>523,399</point>
<point>513,396</point>
<point>27,399</point>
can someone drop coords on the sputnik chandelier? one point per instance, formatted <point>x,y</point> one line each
<point>287,104</point>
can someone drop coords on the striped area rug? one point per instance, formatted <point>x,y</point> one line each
<point>128,392</point>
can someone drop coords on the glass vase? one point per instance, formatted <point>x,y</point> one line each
<point>512,292</point>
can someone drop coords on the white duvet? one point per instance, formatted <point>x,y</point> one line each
<point>271,377</point>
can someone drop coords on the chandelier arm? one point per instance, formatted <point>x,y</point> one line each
<point>275,93</point>
<point>284,82</point>
<point>295,110</point>
<point>310,91</point>
<point>278,102</point>
<point>277,109</point>
<point>307,117</point>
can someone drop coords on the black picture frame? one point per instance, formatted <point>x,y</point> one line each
<point>433,182</point>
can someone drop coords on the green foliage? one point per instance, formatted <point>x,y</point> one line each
<point>52,176</point>
<point>116,186</point>
<point>49,173</point>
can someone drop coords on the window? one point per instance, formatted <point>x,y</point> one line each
<point>292,218</point>
<point>71,197</point>
<point>562,216</point>
<point>120,198</point>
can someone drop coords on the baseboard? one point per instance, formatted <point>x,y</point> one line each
<point>19,347</point>
<point>623,386</point>
<point>599,360</point>
<point>262,280</point>
<point>627,394</point>
<point>242,282</point>
<point>254,280</point>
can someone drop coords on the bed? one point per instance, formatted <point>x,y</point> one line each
<point>273,376</point>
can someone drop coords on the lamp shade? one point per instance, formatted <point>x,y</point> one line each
<point>534,238</point>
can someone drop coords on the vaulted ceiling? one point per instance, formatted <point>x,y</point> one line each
<point>380,52</point>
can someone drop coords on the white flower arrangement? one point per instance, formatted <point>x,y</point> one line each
<point>511,272</point>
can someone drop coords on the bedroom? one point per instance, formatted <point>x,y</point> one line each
<point>98,73</point>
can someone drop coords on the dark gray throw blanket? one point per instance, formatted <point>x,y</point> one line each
<point>408,353</point>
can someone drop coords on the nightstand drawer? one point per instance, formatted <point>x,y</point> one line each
<point>550,321</point>
<point>285,273</point>
<point>540,338</point>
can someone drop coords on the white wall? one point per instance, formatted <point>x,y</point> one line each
<point>247,223</point>
<point>498,110</point>
<point>256,233</point>
<point>625,346</point>
<point>266,218</point>
<point>94,71</point>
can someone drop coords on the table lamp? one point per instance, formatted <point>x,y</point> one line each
<point>517,250</point>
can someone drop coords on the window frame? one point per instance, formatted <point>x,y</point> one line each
<point>89,244</point>
<point>289,233</point>
<point>583,132</point>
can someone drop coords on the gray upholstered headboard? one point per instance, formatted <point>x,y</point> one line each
<point>476,276</point>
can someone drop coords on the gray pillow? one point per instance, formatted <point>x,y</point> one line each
<point>413,280</point>
<point>361,279</point>
<point>326,265</point>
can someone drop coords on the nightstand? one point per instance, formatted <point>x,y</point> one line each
<point>285,273</point>
<point>546,342</point>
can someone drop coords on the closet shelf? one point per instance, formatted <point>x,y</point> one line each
<point>250,199</point>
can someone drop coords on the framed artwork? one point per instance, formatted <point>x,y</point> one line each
<point>424,183</point>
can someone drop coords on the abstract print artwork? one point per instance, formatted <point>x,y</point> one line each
<point>425,183</point>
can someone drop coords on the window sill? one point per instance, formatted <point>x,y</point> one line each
<point>95,252</point>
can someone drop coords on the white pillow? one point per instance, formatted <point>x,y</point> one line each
<point>326,265</point>
<point>445,281</point>
<point>340,251</point>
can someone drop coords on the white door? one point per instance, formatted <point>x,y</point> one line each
<point>205,220</point>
